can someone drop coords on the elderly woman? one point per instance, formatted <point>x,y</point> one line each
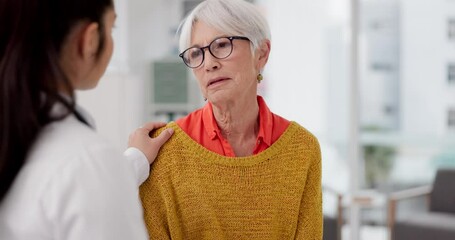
<point>233,169</point>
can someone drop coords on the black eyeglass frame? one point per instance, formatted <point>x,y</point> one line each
<point>208,47</point>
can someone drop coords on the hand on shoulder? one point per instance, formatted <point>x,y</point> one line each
<point>141,139</point>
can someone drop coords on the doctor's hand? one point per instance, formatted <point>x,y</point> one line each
<point>141,139</point>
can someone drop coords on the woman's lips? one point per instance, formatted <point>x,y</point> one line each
<point>216,80</point>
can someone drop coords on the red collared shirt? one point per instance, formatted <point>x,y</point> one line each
<point>201,126</point>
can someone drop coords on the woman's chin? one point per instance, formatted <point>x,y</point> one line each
<point>218,97</point>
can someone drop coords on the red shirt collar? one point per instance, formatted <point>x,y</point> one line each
<point>265,122</point>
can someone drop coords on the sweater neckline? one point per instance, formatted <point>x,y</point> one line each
<point>215,158</point>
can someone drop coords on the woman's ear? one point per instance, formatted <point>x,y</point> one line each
<point>263,53</point>
<point>89,43</point>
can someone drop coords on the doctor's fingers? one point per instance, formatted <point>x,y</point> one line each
<point>162,138</point>
<point>145,133</point>
<point>150,126</point>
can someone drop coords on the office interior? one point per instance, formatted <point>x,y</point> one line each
<point>373,80</point>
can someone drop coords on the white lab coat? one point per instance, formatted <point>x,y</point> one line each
<point>75,186</point>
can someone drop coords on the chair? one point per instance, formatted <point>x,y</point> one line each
<point>333,224</point>
<point>437,222</point>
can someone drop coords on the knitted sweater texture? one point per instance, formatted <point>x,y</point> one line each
<point>193,193</point>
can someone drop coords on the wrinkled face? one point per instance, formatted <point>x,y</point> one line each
<point>228,79</point>
<point>104,57</point>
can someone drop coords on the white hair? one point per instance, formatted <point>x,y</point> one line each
<point>233,17</point>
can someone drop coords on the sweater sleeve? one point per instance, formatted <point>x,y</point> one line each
<point>155,210</point>
<point>309,225</point>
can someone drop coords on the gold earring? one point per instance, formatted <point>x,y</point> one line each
<point>259,78</point>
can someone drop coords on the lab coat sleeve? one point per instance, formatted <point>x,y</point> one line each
<point>94,196</point>
<point>139,163</point>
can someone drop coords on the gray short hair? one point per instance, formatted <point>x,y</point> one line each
<point>233,17</point>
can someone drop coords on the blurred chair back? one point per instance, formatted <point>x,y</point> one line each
<point>442,198</point>
<point>436,224</point>
<point>333,224</point>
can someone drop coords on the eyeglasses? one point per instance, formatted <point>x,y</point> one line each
<point>220,48</point>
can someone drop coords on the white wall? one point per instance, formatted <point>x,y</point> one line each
<point>295,77</point>
<point>110,107</point>
<point>423,62</point>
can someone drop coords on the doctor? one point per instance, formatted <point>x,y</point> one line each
<point>58,178</point>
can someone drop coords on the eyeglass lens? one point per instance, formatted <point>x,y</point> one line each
<point>219,48</point>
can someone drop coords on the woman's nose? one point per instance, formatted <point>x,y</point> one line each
<point>211,62</point>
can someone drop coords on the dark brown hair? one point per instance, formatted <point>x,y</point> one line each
<point>32,33</point>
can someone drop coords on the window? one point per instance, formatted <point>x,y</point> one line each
<point>451,29</point>
<point>451,119</point>
<point>451,73</point>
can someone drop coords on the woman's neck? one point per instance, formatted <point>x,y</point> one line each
<point>239,125</point>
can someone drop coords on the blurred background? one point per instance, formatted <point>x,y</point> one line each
<point>374,80</point>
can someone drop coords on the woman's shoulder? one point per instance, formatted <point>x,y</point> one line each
<point>170,155</point>
<point>300,140</point>
<point>300,132</point>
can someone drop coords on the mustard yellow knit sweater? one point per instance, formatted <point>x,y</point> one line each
<point>193,193</point>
